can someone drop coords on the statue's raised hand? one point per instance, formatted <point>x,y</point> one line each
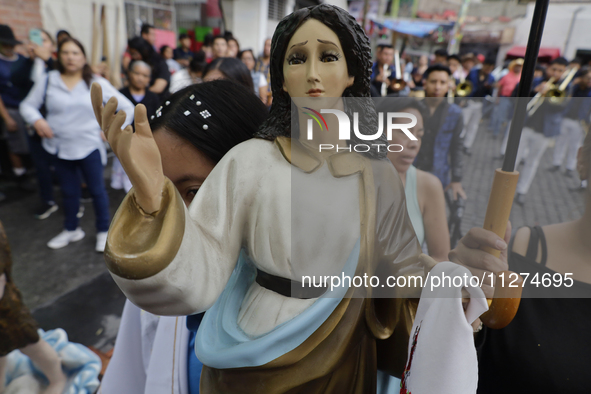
<point>137,152</point>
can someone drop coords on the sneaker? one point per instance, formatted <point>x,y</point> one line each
<point>569,173</point>
<point>65,237</point>
<point>579,188</point>
<point>45,210</point>
<point>520,199</point>
<point>553,168</point>
<point>80,211</point>
<point>101,241</point>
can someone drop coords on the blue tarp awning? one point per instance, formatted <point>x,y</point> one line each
<point>417,28</point>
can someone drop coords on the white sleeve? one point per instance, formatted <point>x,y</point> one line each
<point>126,372</point>
<point>38,70</point>
<point>178,260</point>
<point>179,80</point>
<point>263,81</point>
<point>123,102</point>
<point>29,107</point>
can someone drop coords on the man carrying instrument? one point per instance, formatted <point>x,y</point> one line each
<point>441,151</point>
<point>382,71</point>
<point>481,81</point>
<point>540,125</point>
<point>572,126</point>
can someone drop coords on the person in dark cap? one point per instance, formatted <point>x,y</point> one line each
<point>15,83</point>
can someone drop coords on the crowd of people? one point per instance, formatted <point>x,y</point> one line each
<point>200,105</point>
<point>38,91</point>
<point>474,89</point>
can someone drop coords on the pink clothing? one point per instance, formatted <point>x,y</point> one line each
<point>508,83</point>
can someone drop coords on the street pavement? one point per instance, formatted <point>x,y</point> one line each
<point>67,288</point>
<point>71,288</point>
<point>548,201</point>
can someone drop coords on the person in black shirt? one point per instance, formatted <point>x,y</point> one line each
<point>183,53</point>
<point>138,74</point>
<point>545,349</point>
<point>148,33</point>
<point>571,128</point>
<point>140,49</point>
<point>15,83</point>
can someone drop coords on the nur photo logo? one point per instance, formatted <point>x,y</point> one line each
<point>344,129</point>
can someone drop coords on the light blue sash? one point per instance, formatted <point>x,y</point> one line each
<point>221,343</point>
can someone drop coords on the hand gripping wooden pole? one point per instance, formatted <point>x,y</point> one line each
<point>506,299</point>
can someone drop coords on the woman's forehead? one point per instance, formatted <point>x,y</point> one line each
<point>311,31</point>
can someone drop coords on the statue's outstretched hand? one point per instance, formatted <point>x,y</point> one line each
<point>137,152</point>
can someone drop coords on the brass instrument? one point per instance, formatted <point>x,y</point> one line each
<point>399,83</point>
<point>555,95</point>
<point>464,88</point>
<point>536,100</point>
<point>450,90</point>
<point>384,87</point>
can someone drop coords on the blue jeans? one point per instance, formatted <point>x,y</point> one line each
<point>501,114</point>
<point>69,174</point>
<point>43,161</point>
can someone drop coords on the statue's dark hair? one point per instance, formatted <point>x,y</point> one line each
<point>357,54</point>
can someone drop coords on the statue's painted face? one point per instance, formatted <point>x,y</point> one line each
<point>314,64</point>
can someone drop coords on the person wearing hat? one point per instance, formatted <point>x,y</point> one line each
<point>480,59</point>
<point>506,85</point>
<point>15,83</point>
<point>183,53</point>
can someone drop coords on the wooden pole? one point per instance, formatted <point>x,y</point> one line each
<point>506,299</point>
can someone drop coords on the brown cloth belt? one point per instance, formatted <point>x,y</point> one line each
<point>287,287</point>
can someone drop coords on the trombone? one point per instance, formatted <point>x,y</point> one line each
<point>450,91</point>
<point>556,95</point>
<point>399,83</point>
<point>384,87</point>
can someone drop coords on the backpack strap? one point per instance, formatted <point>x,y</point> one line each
<point>537,236</point>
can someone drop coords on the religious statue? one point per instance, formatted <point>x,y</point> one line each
<point>274,211</point>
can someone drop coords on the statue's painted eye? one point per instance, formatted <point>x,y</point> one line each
<point>329,56</point>
<point>297,58</point>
